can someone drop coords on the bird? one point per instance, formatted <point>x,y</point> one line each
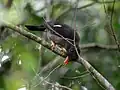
<point>62,35</point>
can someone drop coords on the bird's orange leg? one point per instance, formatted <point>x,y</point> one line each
<point>53,45</point>
<point>63,50</point>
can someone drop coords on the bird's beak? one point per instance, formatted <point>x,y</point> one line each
<point>66,60</point>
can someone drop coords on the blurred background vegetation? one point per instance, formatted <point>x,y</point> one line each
<point>22,59</point>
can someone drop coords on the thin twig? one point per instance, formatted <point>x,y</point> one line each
<point>48,75</point>
<point>50,64</point>
<point>77,77</point>
<point>112,29</point>
<point>58,85</point>
<point>47,67</point>
<point>85,6</point>
<point>111,25</point>
<point>98,46</point>
<point>106,2</point>
<point>69,9</point>
<point>104,7</point>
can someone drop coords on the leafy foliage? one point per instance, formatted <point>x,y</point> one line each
<point>29,58</point>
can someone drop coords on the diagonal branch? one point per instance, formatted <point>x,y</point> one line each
<point>98,46</point>
<point>48,74</point>
<point>34,38</point>
<point>106,2</point>
<point>53,84</point>
<point>85,6</point>
<point>112,29</point>
<point>58,85</point>
<point>98,77</point>
<point>110,25</point>
<point>82,61</point>
<point>69,9</point>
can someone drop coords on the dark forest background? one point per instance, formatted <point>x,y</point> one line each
<point>27,65</point>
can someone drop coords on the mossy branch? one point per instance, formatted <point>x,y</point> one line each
<point>97,76</point>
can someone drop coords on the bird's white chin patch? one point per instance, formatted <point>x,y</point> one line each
<point>57,25</point>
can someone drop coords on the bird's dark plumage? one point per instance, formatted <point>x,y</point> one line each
<point>62,35</point>
<point>35,27</point>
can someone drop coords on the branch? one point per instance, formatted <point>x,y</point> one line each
<point>106,2</point>
<point>50,65</point>
<point>34,38</point>
<point>82,61</point>
<point>112,29</point>
<point>111,24</point>
<point>48,75</point>
<point>58,85</point>
<point>45,81</point>
<point>85,6</point>
<point>98,46</point>
<point>69,9</point>
<point>53,84</point>
<point>77,77</point>
<point>96,75</point>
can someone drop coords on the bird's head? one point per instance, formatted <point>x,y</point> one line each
<point>72,54</point>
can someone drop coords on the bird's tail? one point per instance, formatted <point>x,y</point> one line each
<point>35,27</point>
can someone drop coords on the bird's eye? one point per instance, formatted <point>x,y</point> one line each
<point>71,50</point>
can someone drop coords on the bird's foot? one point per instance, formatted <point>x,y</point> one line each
<point>53,45</point>
<point>63,50</point>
